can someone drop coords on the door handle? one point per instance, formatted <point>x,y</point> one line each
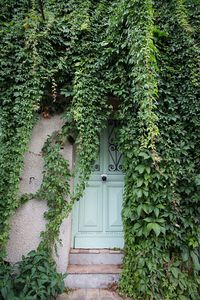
<point>104,177</point>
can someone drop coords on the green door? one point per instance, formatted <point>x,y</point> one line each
<point>97,216</point>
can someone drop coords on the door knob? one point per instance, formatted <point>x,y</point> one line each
<point>104,177</point>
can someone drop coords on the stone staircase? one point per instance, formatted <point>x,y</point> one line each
<point>93,268</point>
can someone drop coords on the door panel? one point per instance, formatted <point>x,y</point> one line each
<point>96,242</point>
<point>90,209</point>
<point>114,157</point>
<point>114,206</point>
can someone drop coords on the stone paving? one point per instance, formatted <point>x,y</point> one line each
<point>91,294</point>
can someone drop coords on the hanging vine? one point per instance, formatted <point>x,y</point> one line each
<point>74,57</point>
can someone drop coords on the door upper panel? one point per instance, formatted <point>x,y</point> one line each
<point>114,159</point>
<point>109,160</point>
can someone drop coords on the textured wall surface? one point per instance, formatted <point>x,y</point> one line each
<point>28,221</point>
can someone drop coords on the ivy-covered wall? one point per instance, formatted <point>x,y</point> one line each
<point>28,221</point>
<point>139,62</point>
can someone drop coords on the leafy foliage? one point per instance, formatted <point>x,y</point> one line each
<point>129,60</point>
<point>54,189</point>
<point>161,198</point>
<point>35,277</point>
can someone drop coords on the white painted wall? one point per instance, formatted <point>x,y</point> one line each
<point>28,221</point>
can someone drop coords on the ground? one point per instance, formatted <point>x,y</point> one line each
<point>91,294</point>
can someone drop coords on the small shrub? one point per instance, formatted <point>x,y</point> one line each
<point>34,278</point>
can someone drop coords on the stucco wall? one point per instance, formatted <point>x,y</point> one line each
<point>28,221</point>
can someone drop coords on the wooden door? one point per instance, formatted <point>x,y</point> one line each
<point>97,216</point>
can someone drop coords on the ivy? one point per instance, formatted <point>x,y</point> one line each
<point>133,61</point>
<point>35,277</point>
<point>157,186</point>
<point>55,188</point>
<point>21,91</point>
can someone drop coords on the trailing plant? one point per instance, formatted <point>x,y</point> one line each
<point>133,61</point>
<point>54,189</point>
<point>21,90</point>
<point>162,248</point>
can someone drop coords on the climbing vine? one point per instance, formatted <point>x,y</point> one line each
<point>133,61</point>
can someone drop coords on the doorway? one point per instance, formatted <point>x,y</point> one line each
<point>97,219</point>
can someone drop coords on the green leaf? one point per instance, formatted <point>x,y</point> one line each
<point>136,226</point>
<point>144,155</point>
<point>140,169</point>
<point>156,211</point>
<point>139,210</point>
<point>139,182</point>
<point>195,259</point>
<point>175,272</point>
<point>155,227</point>
<point>138,193</point>
<point>185,254</point>
<point>197,180</point>
<point>182,297</point>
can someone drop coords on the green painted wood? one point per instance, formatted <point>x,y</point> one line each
<point>97,219</point>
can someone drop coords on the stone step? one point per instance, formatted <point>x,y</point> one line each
<point>95,256</point>
<point>94,269</point>
<point>92,276</point>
